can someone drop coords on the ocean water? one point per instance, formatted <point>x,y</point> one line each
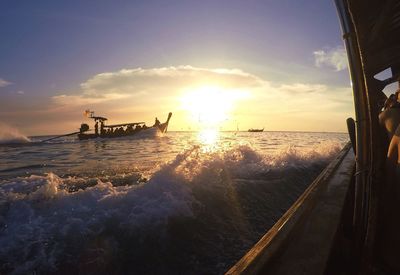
<point>179,203</point>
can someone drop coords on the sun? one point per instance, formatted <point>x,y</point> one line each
<point>210,106</point>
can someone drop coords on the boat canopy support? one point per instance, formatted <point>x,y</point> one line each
<point>123,124</point>
<point>373,46</point>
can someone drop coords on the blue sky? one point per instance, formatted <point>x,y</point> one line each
<point>51,48</point>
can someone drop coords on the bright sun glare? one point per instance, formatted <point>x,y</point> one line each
<point>208,137</point>
<point>210,106</point>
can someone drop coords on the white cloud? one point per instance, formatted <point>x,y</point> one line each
<point>134,80</point>
<point>139,93</point>
<point>303,98</point>
<point>20,92</point>
<point>4,82</point>
<point>301,88</point>
<point>78,100</point>
<point>155,83</point>
<point>335,58</point>
<point>142,89</point>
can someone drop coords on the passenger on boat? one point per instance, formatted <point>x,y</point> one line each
<point>157,122</point>
<point>397,94</point>
<point>102,132</point>
<point>96,128</point>
<point>389,119</point>
<point>381,100</point>
<point>394,156</point>
<point>391,194</point>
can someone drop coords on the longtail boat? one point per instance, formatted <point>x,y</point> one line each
<point>255,130</point>
<point>117,130</point>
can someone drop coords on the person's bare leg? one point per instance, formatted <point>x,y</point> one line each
<point>391,213</point>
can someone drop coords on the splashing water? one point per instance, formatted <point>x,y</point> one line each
<point>9,134</point>
<point>112,206</point>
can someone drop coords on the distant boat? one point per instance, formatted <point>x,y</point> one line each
<point>255,130</point>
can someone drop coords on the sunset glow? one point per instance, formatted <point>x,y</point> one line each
<point>163,137</point>
<point>208,137</point>
<point>210,106</point>
<point>235,70</point>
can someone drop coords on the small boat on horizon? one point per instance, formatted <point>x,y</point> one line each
<point>255,130</point>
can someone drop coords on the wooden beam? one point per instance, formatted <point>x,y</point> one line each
<point>382,21</point>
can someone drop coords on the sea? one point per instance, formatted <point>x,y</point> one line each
<point>176,203</point>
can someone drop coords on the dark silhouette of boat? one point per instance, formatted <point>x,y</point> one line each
<point>119,130</point>
<point>255,130</point>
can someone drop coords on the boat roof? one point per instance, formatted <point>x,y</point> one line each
<point>98,118</point>
<point>377,24</point>
<point>123,124</point>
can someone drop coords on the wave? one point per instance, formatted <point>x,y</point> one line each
<point>10,135</point>
<point>198,213</point>
<point>26,167</point>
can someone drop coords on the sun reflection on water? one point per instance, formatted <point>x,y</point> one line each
<point>209,139</point>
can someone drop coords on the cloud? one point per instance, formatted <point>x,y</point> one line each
<point>141,94</point>
<point>335,58</point>
<point>158,89</point>
<point>4,82</point>
<point>303,97</point>
<point>80,100</point>
<point>154,83</point>
<point>133,80</point>
<point>302,88</point>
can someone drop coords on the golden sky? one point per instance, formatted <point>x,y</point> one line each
<point>273,64</point>
<point>280,65</point>
<point>199,97</point>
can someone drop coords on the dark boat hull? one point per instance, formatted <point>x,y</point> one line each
<point>161,128</point>
<point>133,133</point>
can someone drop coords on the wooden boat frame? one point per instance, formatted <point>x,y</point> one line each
<point>161,127</point>
<point>336,232</point>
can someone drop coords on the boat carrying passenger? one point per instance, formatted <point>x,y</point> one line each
<point>118,130</point>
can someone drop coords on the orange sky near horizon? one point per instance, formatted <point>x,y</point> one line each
<point>199,98</point>
<point>272,65</point>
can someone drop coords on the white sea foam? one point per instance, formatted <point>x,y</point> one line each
<point>41,218</point>
<point>298,156</point>
<point>244,161</point>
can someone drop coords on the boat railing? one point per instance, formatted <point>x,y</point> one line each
<point>303,237</point>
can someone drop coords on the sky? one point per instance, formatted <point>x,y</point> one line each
<point>229,64</point>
